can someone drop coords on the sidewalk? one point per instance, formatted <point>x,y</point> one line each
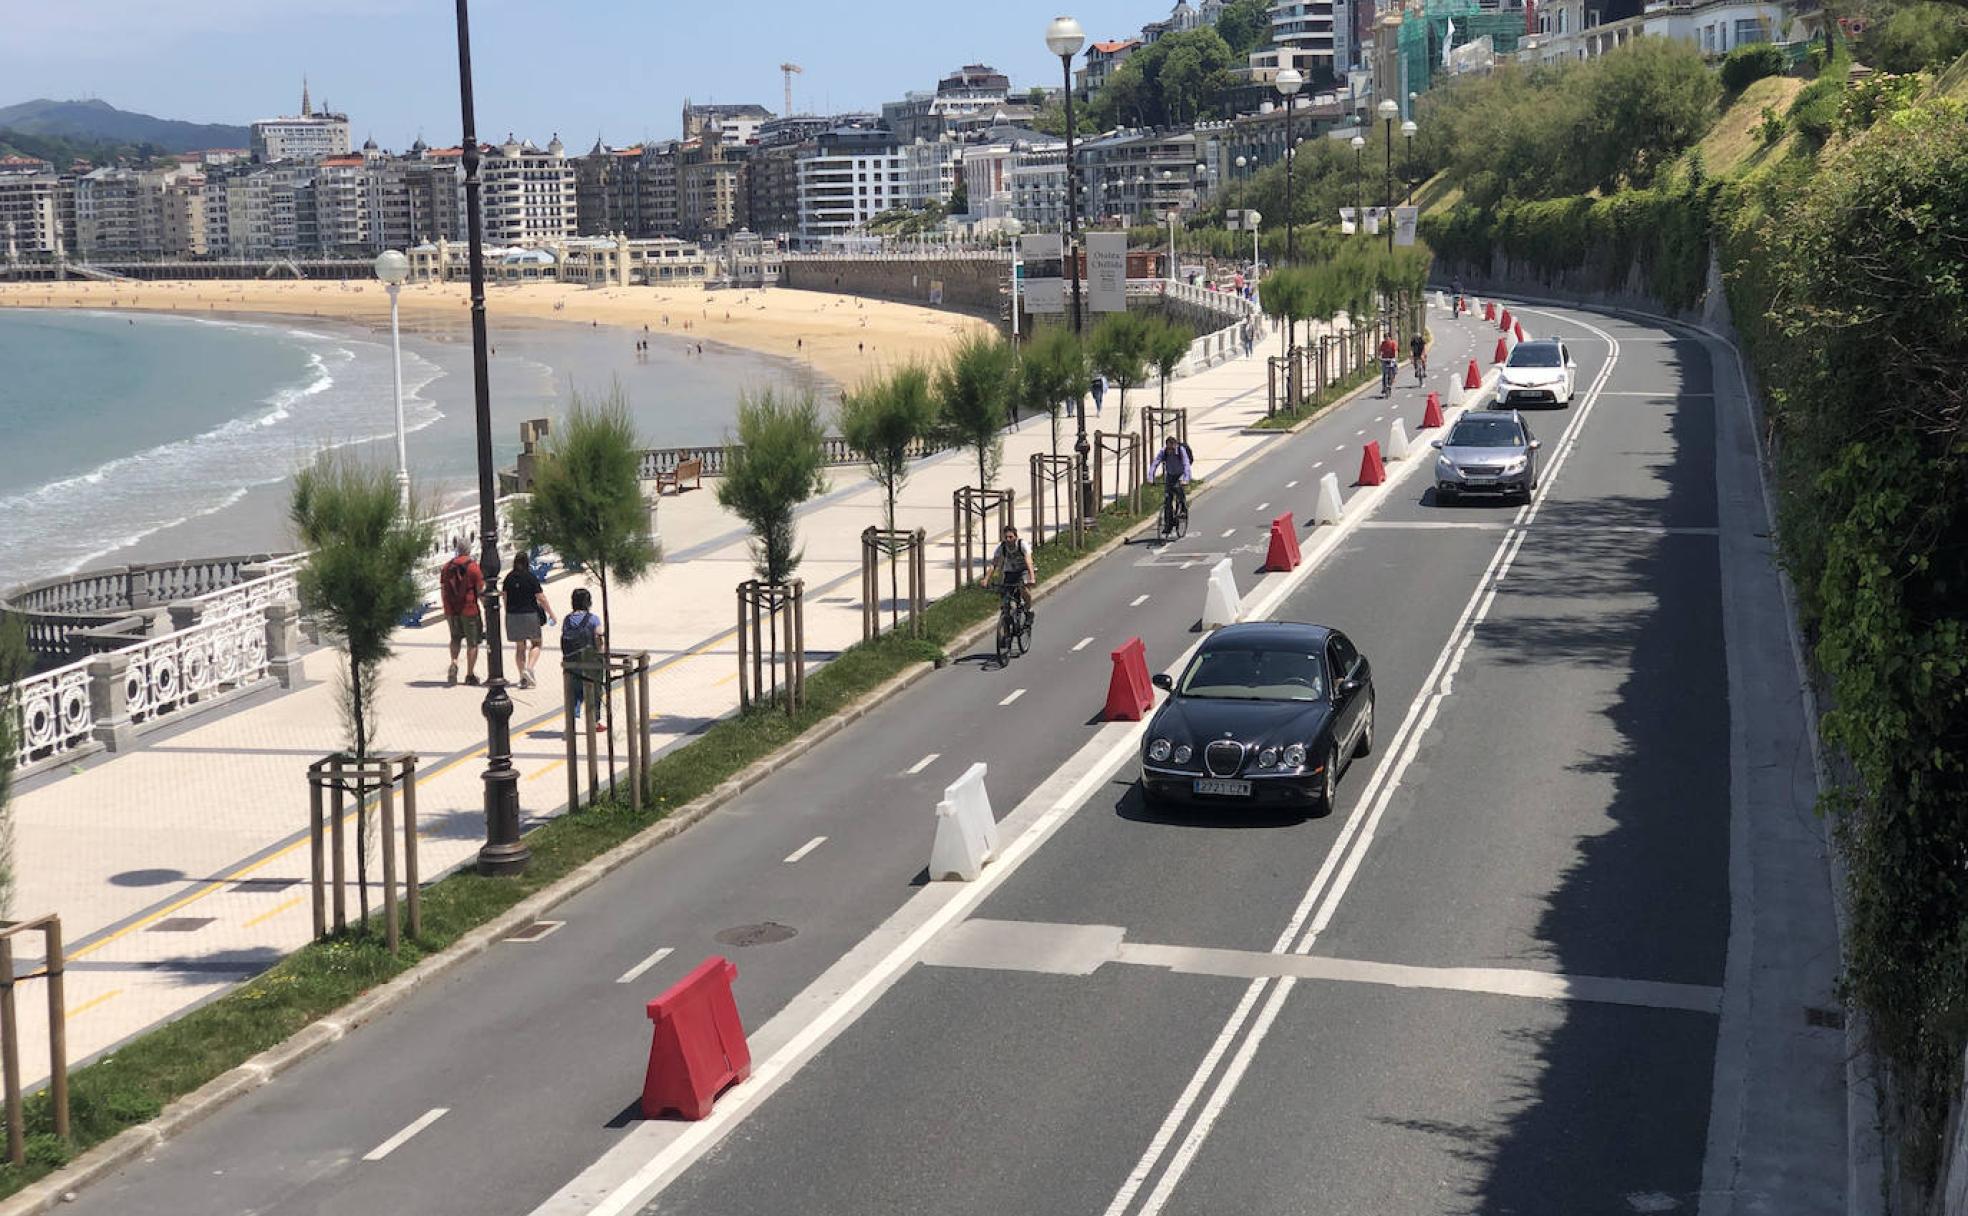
<point>180,868</point>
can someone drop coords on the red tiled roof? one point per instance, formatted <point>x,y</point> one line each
<point>1108,48</point>
<point>342,161</point>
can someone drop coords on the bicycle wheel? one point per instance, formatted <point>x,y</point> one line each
<point>1004,641</point>
<point>1023,638</point>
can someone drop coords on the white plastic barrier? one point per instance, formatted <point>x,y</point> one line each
<point>1457,396</point>
<point>1222,603</point>
<point>966,830</point>
<point>1397,441</point>
<point>1330,504</point>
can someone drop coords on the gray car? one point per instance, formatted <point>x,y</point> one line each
<point>1487,452</point>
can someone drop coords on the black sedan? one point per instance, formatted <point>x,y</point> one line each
<point>1265,715</point>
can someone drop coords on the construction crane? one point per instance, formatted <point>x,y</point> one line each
<point>791,70</point>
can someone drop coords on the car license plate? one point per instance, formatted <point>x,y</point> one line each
<point>1234,789</point>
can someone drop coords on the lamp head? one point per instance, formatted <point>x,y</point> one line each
<point>1359,142</point>
<point>1289,81</point>
<point>1388,109</point>
<point>392,267</point>
<point>1408,128</point>
<point>1064,37</point>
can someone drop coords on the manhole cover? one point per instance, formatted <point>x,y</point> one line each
<point>757,935</point>
<point>535,931</point>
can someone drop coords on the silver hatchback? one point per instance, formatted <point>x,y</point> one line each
<point>1487,452</point>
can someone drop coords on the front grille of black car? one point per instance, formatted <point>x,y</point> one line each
<point>1224,758</point>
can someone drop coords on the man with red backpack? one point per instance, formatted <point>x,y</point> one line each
<point>459,584</point>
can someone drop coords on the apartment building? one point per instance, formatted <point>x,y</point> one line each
<point>1321,31</point>
<point>1138,176</point>
<point>527,194</point>
<point>37,210</point>
<point>710,198</point>
<point>342,205</point>
<point>119,213</point>
<point>1038,185</point>
<point>309,135</point>
<point>1102,60</point>
<point>851,175</point>
<point>626,190</point>
<point>771,183</point>
<point>929,171</point>
<point>733,124</point>
<point>183,215</point>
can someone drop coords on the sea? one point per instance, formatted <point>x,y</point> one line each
<point>153,436</point>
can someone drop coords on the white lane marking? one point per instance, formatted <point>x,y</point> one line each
<point>1292,484</point>
<point>1228,533</point>
<point>1320,464</point>
<point>416,1125</point>
<point>634,973</point>
<point>932,757</point>
<point>1263,507</point>
<point>804,849</point>
<point>1346,853</point>
<point>1361,431</point>
<point>1137,601</point>
<point>1340,448</point>
<point>1083,643</point>
<point>1013,696</point>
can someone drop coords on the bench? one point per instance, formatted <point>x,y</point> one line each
<point>691,470</point>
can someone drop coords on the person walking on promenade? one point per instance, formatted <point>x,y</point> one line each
<point>526,611</point>
<point>580,644</point>
<point>459,585</point>
<point>1099,388</point>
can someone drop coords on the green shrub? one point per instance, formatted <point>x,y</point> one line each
<point>1814,111</point>
<point>1746,65</point>
<point>1918,37</point>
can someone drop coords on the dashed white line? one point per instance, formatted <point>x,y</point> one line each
<point>634,973</point>
<point>1263,506</point>
<point>1363,430</point>
<point>396,1142</point>
<point>1012,696</point>
<point>1292,484</point>
<point>1228,533</point>
<point>1320,464</point>
<point>804,849</point>
<point>1083,643</point>
<point>1342,447</point>
<point>926,761</point>
<point>1137,601</point>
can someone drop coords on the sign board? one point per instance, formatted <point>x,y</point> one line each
<point>1373,221</point>
<point>1045,295</point>
<point>1404,225</point>
<point>1107,271</point>
<point>936,291</point>
<point>1044,286</point>
<point>1347,220</point>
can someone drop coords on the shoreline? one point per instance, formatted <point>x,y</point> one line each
<point>839,338</point>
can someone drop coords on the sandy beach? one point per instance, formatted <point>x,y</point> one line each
<point>841,337</point>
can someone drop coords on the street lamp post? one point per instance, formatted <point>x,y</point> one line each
<point>1408,129</point>
<point>1064,38</point>
<point>1359,216</point>
<point>1289,82</point>
<point>503,852</point>
<point>392,268</point>
<point>1011,229</point>
<point>1389,111</point>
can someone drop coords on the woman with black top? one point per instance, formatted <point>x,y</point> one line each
<point>526,611</point>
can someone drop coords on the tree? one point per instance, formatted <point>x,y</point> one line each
<point>1052,372</point>
<point>1178,79</point>
<point>960,197</point>
<point>586,503</point>
<point>1244,26</point>
<point>1918,36</point>
<point>883,420</point>
<point>15,664</point>
<point>778,463</point>
<point>359,582</point>
<point>1168,345</point>
<point>974,397</point>
<point>1288,292</point>
<point>1118,350</point>
<point>1645,103</point>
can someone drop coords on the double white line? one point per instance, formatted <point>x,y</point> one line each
<point>1345,858</point>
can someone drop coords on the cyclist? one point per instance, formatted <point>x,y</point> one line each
<point>1173,464</point>
<point>1011,568</point>
<point>1418,355</point>
<point>1390,359</point>
<point>1457,288</point>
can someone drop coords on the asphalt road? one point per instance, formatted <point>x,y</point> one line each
<point>1493,980</point>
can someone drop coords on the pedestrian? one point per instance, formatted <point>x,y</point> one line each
<point>1099,387</point>
<point>581,639</point>
<point>459,585</point>
<point>1250,338</point>
<point>526,612</point>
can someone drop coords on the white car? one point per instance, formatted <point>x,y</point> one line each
<point>1539,372</point>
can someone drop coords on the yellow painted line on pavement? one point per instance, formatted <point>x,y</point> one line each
<point>543,771</point>
<point>277,911</point>
<point>89,1004</point>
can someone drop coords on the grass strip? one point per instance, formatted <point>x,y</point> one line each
<point>133,1084</point>
<point>1285,420</point>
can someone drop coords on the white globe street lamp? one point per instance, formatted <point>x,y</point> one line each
<point>392,268</point>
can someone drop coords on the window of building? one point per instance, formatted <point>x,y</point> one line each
<point>1750,30</point>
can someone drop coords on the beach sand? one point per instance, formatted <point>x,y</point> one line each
<point>842,338</point>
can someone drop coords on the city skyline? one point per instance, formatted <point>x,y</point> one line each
<point>135,57</point>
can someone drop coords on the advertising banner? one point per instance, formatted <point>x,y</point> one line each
<point>1107,271</point>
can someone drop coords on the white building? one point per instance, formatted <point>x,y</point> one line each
<point>1718,26</point>
<point>850,176</point>
<point>1311,28</point>
<point>31,209</point>
<point>1038,186</point>
<point>528,194</point>
<point>119,213</point>
<point>929,171</point>
<point>305,136</point>
<point>342,205</point>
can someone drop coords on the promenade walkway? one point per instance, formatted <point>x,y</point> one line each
<point>180,868</point>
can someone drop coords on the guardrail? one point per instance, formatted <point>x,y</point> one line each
<point>716,459</point>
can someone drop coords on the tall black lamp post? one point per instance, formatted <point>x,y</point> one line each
<point>503,852</point>
<point>1289,82</point>
<point>1408,129</point>
<point>1389,111</point>
<point>1359,175</point>
<point>1064,38</point>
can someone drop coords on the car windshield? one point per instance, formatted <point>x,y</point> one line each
<point>1485,433</point>
<point>1535,354</point>
<point>1240,674</point>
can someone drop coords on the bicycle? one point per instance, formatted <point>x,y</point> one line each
<point>1420,365</point>
<point>1387,367</point>
<point>1014,624</point>
<point>1175,512</point>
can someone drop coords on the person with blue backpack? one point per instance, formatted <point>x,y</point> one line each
<point>580,648</point>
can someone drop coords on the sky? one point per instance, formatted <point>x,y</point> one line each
<point>618,69</point>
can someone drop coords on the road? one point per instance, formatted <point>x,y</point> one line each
<point>1552,952</point>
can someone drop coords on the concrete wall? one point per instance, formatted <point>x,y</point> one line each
<point>970,285</point>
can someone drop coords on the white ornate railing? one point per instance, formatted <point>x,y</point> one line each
<point>251,596</point>
<point>54,713</point>
<point>175,670</point>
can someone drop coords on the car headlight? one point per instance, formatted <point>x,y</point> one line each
<point>1182,753</point>
<point>1268,758</point>
<point>1444,465</point>
<point>1159,750</point>
<point>1295,756</point>
<point>1515,465</point>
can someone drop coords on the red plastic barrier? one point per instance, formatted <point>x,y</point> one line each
<point>1284,544</point>
<point>1520,331</point>
<point>1489,310</point>
<point>1432,416</point>
<point>698,1047</point>
<point>1503,350</point>
<point>1506,322</point>
<point>1130,695</point>
<point>1372,471</point>
<point>1472,378</point>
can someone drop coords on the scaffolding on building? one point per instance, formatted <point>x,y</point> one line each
<point>1426,26</point>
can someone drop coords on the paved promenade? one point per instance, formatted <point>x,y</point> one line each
<point>180,867</point>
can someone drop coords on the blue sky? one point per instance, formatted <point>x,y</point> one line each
<point>620,68</point>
